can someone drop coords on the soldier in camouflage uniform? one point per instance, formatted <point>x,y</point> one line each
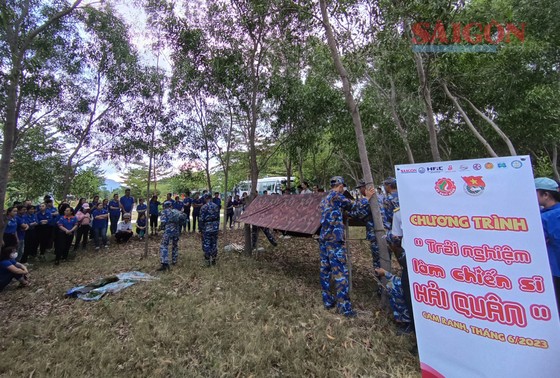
<point>332,247</point>
<point>397,298</point>
<point>209,225</point>
<point>391,202</point>
<point>363,211</point>
<point>171,234</point>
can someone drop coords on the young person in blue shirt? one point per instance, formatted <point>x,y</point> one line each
<point>548,196</point>
<point>141,208</point>
<point>114,213</point>
<point>178,205</point>
<point>10,232</point>
<point>30,250</point>
<point>217,200</point>
<point>43,230</point>
<point>67,224</point>
<point>52,222</point>
<point>127,202</point>
<point>99,225</point>
<point>141,225</point>
<point>154,214</point>
<point>22,227</point>
<point>187,210</point>
<point>10,269</point>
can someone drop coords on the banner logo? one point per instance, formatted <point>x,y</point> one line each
<point>474,185</point>
<point>445,187</point>
<point>516,164</point>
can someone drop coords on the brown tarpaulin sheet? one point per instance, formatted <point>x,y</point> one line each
<point>297,213</point>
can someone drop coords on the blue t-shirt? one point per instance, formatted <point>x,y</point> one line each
<point>11,226</point>
<point>98,223</point>
<point>54,218</point>
<point>154,208</point>
<point>5,275</point>
<point>551,226</point>
<point>20,222</point>
<point>196,209</point>
<point>141,222</point>
<point>41,217</point>
<point>178,205</point>
<point>141,208</point>
<point>127,203</point>
<point>67,223</point>
<point>112,205</point>
<point>30,219</point>
<point>218,202</point>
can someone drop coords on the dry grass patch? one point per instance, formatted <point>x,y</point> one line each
<point>247,316</point>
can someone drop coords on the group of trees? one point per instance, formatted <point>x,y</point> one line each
<point>253,89</point>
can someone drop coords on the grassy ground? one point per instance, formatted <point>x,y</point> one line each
<point>249,316</point>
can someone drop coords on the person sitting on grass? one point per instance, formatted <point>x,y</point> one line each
<point>141,226</point>
<point>10,269</point>
<point>124,230</point>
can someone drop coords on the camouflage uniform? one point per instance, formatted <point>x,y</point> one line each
<point>363,211</point>
<point>390,203</point>
<point>209,225</point>
<point>171,233</point>
<point>333,252</point>
<point>397,299</point>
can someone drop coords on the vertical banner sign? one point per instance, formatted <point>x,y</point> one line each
<point>481,285</point>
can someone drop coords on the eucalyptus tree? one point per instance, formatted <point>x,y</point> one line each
<point>30,32</point>
<point>103,86</point>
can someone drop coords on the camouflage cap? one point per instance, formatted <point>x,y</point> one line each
<point>389,181</point>
<point>360,184</point>
<point>337,180</point>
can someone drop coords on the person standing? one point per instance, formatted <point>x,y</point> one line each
<point>30,249</point>
<point>114,213</point>
<point>305,188</point>
<point>333,249</point>
<point>10,231</point>
<point>217,200</point>
<point>141,208</point>
<point>154,215</point>
<point>548,197</point>
<point>391,201</point>
<point>66,224</point>
<point>209,226</point>
<point>187,202</point>
<point>170,223</point>
<point>229,211</point>
<point>99,226</point>
<point>83,216</point>
<point>127,202</point>
<point>22,228</point>
<point>237,208</point>
<point>43,230</point>
<point>124,230</point>
<point>362,211</point>
<point>196,204</point>
<point>52,220</point>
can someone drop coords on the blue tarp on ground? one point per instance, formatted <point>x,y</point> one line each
<point>114,284</point>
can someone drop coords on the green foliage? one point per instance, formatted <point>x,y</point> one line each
<point>87,182</point>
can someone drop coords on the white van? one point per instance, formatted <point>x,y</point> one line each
<point>270,184</point>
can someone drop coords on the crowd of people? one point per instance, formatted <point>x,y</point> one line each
<point>32,230</point>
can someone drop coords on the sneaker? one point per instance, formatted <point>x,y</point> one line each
<point>106,246</point>
<point>163,268</point>
<point>174,263</point>
<point>97,248</point>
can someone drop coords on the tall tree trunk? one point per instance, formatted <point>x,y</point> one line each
<point>18,47</point>
<point>426,96</point>
<point>360,139</point>
<point>397,119</point>
<point>8,143</point>
<point>473,129</point>
<point>227,162</point>
<point>496,128</point>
